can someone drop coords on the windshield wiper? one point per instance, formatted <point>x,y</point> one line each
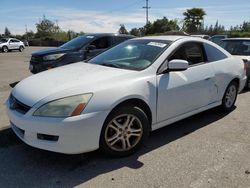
<point>110,65</point>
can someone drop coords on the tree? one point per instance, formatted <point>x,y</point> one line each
<point>161,26</point>
<point>193,20</point>
<point>46,29</point>
<point>29,35</point>
<point>7,32</point>
<point>135,32</point>
<point>122,29</point>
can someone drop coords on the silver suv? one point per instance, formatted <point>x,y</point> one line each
<point>7,44</point>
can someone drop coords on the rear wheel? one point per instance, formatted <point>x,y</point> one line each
<point>230,96</point>
<point>5,49</point>
<point>21,48</point>
<point>124,131</point>
<point>248,83</point>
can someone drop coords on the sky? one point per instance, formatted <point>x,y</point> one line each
<point>106,15</point>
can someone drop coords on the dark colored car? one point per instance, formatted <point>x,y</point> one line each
<point>239,47</point>
<point>217,39</point>
<point>78,49</point>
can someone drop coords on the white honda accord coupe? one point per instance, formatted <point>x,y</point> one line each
<point>115,100</point>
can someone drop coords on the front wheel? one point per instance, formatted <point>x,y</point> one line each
<point>124,131</point>
<point>21,48</point>
<point>5,49</point>
<point>230,96</point>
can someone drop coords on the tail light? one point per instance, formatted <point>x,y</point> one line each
<point>245,64</point>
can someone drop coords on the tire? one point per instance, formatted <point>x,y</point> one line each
<point>21,48</point>
<point>124,131</point>
<point>230,97</point>
<point>248,83</point>
<point>5,49</point>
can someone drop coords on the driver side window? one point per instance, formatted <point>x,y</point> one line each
<point>191,52</point>
<point>102,43</point>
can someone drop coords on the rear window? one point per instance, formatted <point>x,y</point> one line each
<point>213,54</point>
<point>237,47</point>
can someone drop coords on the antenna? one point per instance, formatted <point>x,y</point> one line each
<point>146,7</point>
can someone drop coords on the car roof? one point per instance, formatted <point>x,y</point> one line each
<point>109,34</point>
<point>171,38</point>
<point>236,39</point>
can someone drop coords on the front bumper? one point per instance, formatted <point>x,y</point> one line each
<point>71,135</point>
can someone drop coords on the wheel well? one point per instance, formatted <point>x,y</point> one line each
<point>138,103</point>
<point>237,80</point>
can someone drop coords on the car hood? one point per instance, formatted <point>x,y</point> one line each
<point>68,80</point>
<point>50,51</point>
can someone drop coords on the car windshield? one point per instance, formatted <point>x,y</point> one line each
<point>77,42</point>
<point>237,47</point>
<point>3,40</point>
<point>132,54</point>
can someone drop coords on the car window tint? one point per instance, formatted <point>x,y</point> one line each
<point>102,43</point>
<point>118,40</point>
<point>237,47</point>
<point>213,54</point>
<point>191,52</point>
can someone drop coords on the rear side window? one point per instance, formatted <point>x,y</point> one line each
<point>191,52</point>
<point>213,54</point>
<point>14,40</point>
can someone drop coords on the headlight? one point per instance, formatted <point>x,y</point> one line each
<point>65,107</point>
<point>53,57</point>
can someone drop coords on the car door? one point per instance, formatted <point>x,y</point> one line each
<point>11,44</point>
<point>101,44</point>
<point>185,91</point>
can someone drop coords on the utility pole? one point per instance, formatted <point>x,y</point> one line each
<point>146,7</point>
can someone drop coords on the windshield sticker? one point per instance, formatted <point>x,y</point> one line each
<point>157,44</point>
<point>246,43</point>
<point>90,37</point>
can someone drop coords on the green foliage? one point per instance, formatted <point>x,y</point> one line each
<point>46,29</point>
<point>240,34</point>
<point>7,32</point>
<point>193,20</point>
<point>122,29</point>
<point>214,30</point>
<point>135,32</point>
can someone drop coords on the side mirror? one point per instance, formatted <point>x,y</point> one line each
<point>174,65</point>
<point>90,48</point>
<point>177,65</point>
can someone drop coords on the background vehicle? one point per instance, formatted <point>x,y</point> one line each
<point>7,44</point>
<point>239,47</point>
<point>119,96</point>
<point>78,49</point>
<point>217,39</point>
<point>202,36</point>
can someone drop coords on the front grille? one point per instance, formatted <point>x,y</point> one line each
<point>17,105</point>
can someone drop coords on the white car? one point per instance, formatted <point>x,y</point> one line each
<point>7,44</point>
<point>115,100</point>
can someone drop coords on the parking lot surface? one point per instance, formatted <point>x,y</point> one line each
<point>210,149</point>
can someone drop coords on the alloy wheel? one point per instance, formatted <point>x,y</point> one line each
<point>123,132</point>
<point>230,96</point>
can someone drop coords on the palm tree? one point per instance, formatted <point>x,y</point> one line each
<point>193,20</point>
